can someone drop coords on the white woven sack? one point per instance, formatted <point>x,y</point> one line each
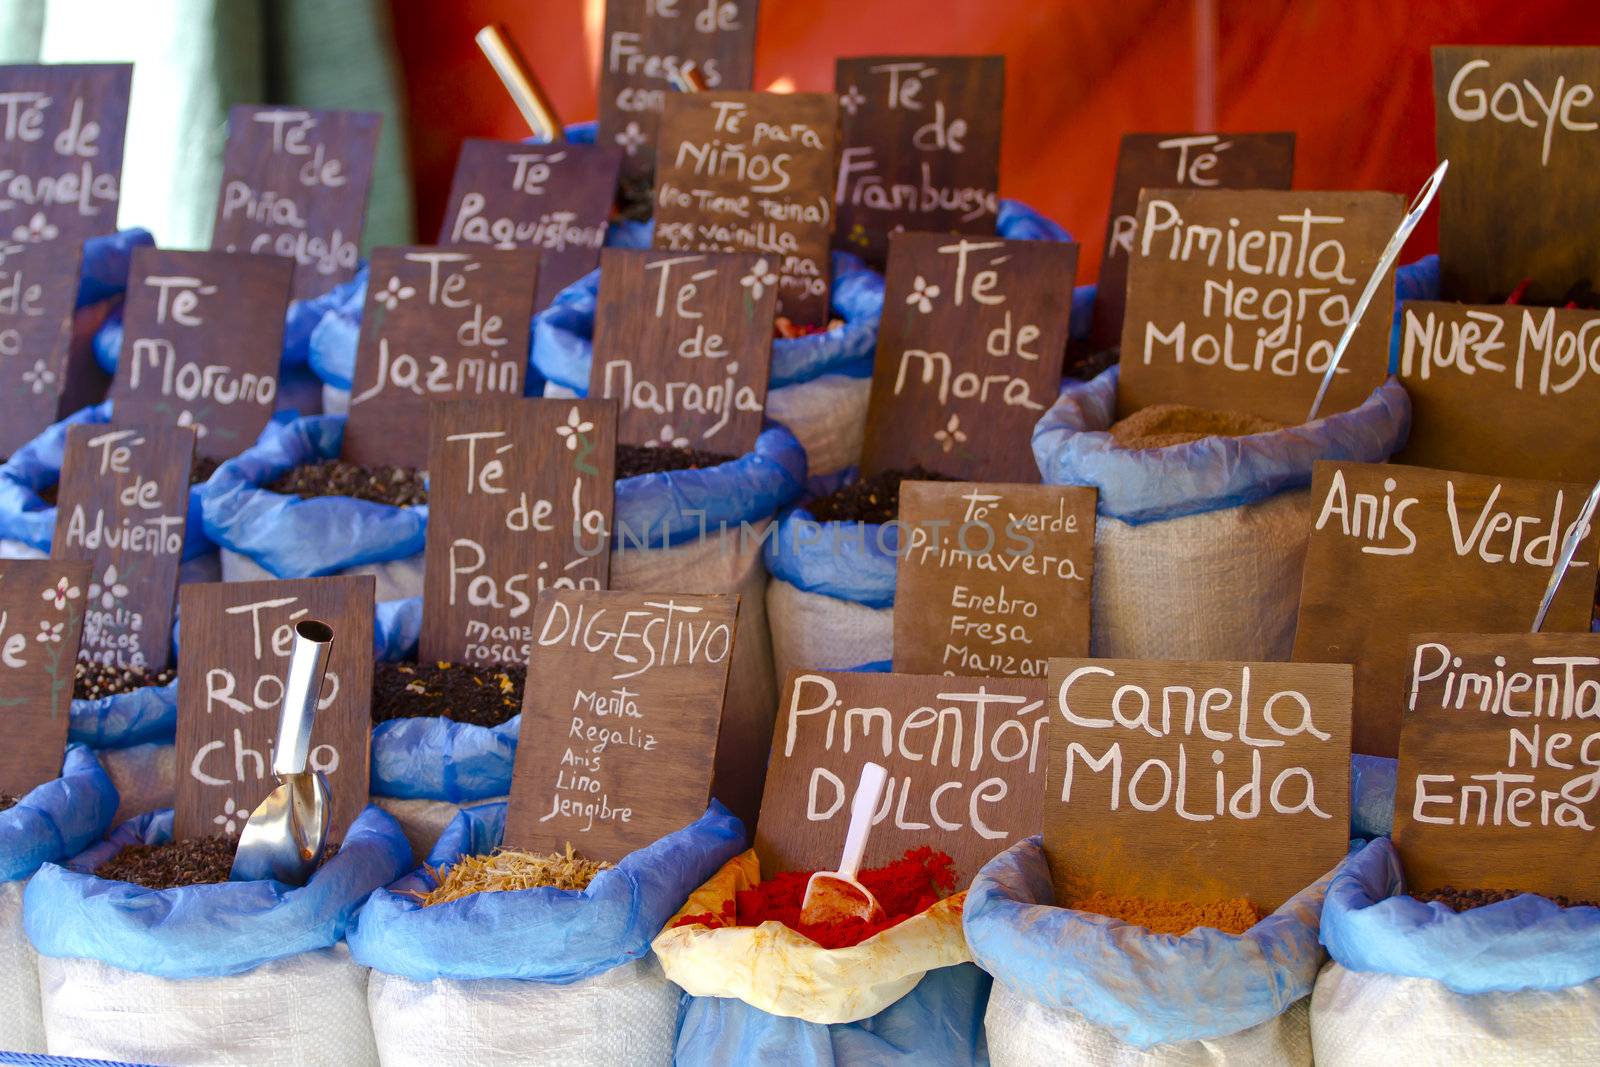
<point>1023,1033</point>
<point>21,1024</point>
<point>1221,585</point>
<point>309,1010</point>
<point>817,632</point>
<point>1363,1017</point>
<point>145,777</point>
<point>828,415</point>
<point>626,1016</point>
<point>423,821</point>
<point>398,579</point>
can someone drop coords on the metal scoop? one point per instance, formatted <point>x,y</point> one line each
<point>832,895</point>
<point>285,835</point>
<point>517,77</point>
<point>1569,549</point>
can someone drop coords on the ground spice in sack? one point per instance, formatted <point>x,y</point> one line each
<point>91,681</point>
<point>482,696</point>
<point>1467,899</point>
<point>906,887</point>
<point>175,864</point>
<point>875,499</point>
<point>1580,294</point>
<point>1233,916</point>
<point>788,329</point>
<point>509,869</point>
<point>634,460</point>
<point>1165,425</point>
<point>398,487</point>
<point>200,471</point>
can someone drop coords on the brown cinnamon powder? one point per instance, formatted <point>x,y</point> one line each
<point>1164,425</point>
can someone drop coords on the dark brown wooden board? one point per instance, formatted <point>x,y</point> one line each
<point>1504,390</point>
<point>41,618</point>
<point>645,42</point>
<point>555,199</point>
<point>1176,161</point>
<point>1517,125</point>
<point>121,508</point>
<point>1428,551</point>
<point>295,183</point>
<point>994,579</point>
<point>968,354</point>
<point>753,172</point>
<point>44,374</point>
<point>1254,333</point>
<point>620,733</point>
<point>1196,782</point>
<point>965,758</point>
<point>61,151</point>
<point>202,336</point>
<point>438,323</point>
<point>919,148</point>
<point>520,495</point>
<point>237,637</point>
<point>684,343</point>
<point>1495,763</point>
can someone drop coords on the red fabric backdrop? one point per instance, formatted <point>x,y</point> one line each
<point>1350,77</point>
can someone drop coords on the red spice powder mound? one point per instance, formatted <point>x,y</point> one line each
<point>906,887</point>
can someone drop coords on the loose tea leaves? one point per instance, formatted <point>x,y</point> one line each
<point>399,487</point>
<point>874,499</point>
<point>8,801</point>
<point>510,869</point>
<point>1164,425</point>
<point>633,460</point>
<point>1466,899</point>
<point>1233,916</point>
<point>482,696</point>
<point>91,681</point>
<point>175,864</point>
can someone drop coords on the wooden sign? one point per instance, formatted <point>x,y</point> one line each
<point>1176,161</point>
<point>645,43</point>
<point>1236,299</point>
<point>919,144</point>
<point>684,343</point>
<point>753,172</point>
<point>965,758</point>
<point>237,637</point>
<point>41,617</point>
<point>520,502</point>
<point>620,733</point>
<point>555,199</point>
<point>61,134</point>
<point>994,579</point>
<point>1521,129</point>
<point>1196,782</point>
<point>438,323</point>
<point>294,184</point>
<point>121,508</point>
<point>202,336</point>
<point>44,375</point>
<point>1496,780</point>
<point>1504,390</point>
<point>1398,550</point>
<point>968,354</point>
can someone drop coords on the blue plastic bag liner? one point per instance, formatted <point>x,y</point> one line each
<point>939,1022</point>
<point>57,819</point>
<point>1372,781</point>
<point>396,626</point>
<point>103,273</point>
<point>543,935</point>
<point>149,713</point>
<point>1145,988</point>
<point>205,930</point>
<point>1152,485</point>
<point>852,561</point>
<point>293,537</point>
<point>24,515</point>
<point>1525,943</point>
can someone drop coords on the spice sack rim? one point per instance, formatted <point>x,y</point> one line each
<point>58,818</point>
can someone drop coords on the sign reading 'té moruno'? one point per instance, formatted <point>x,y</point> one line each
<point>969,354</point>
<point>41,617</point>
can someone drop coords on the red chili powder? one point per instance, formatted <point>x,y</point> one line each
<point>905,887</point>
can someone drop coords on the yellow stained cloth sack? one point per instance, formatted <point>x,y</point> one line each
<point>773,968</point>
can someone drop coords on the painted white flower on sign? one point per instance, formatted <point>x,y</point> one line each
<point>761,275</point>
<point>668,438</point>
<point>39,377</point>
<point>231,816</point>
<point>391,295</point>
<point>57,595</point>
<point>49,632</point>
<point>852,99</point>
<point>951,435</point>
<point>108,588</point>
<point>923,294</point>
<point>186,418</point>
<point>574,428</point>
<point>631,139</point>
<point>36,230</point>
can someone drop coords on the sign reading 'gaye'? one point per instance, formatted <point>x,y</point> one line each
<point>1521,129</point>
<point>965,758</point>
<point>621,728</point>
<point>1196,782</point>
<point>41,617</point>
<point>994,579</point>
<point>919,141</point>
<point>202,335</point>
<point>1236,299</point>
<point>520,494</point>
<point>1499,750</point>
<point>969,354</point>
<point>647,43</point>
<point>552,198</point>
<point>1498,389</point>
<point>753,172</point>
<point>121,508</point>
<point>237,637</point>
<point>1397,551</point>
<point>437,323</point>
<point>1176,161</point>
<point>684,343</point>
<point>294,184</point>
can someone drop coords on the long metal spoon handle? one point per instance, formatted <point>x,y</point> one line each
<point>302,688</point>
<point>1569,551</point>
<point>1391,252</point>
<point>518,79</point>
